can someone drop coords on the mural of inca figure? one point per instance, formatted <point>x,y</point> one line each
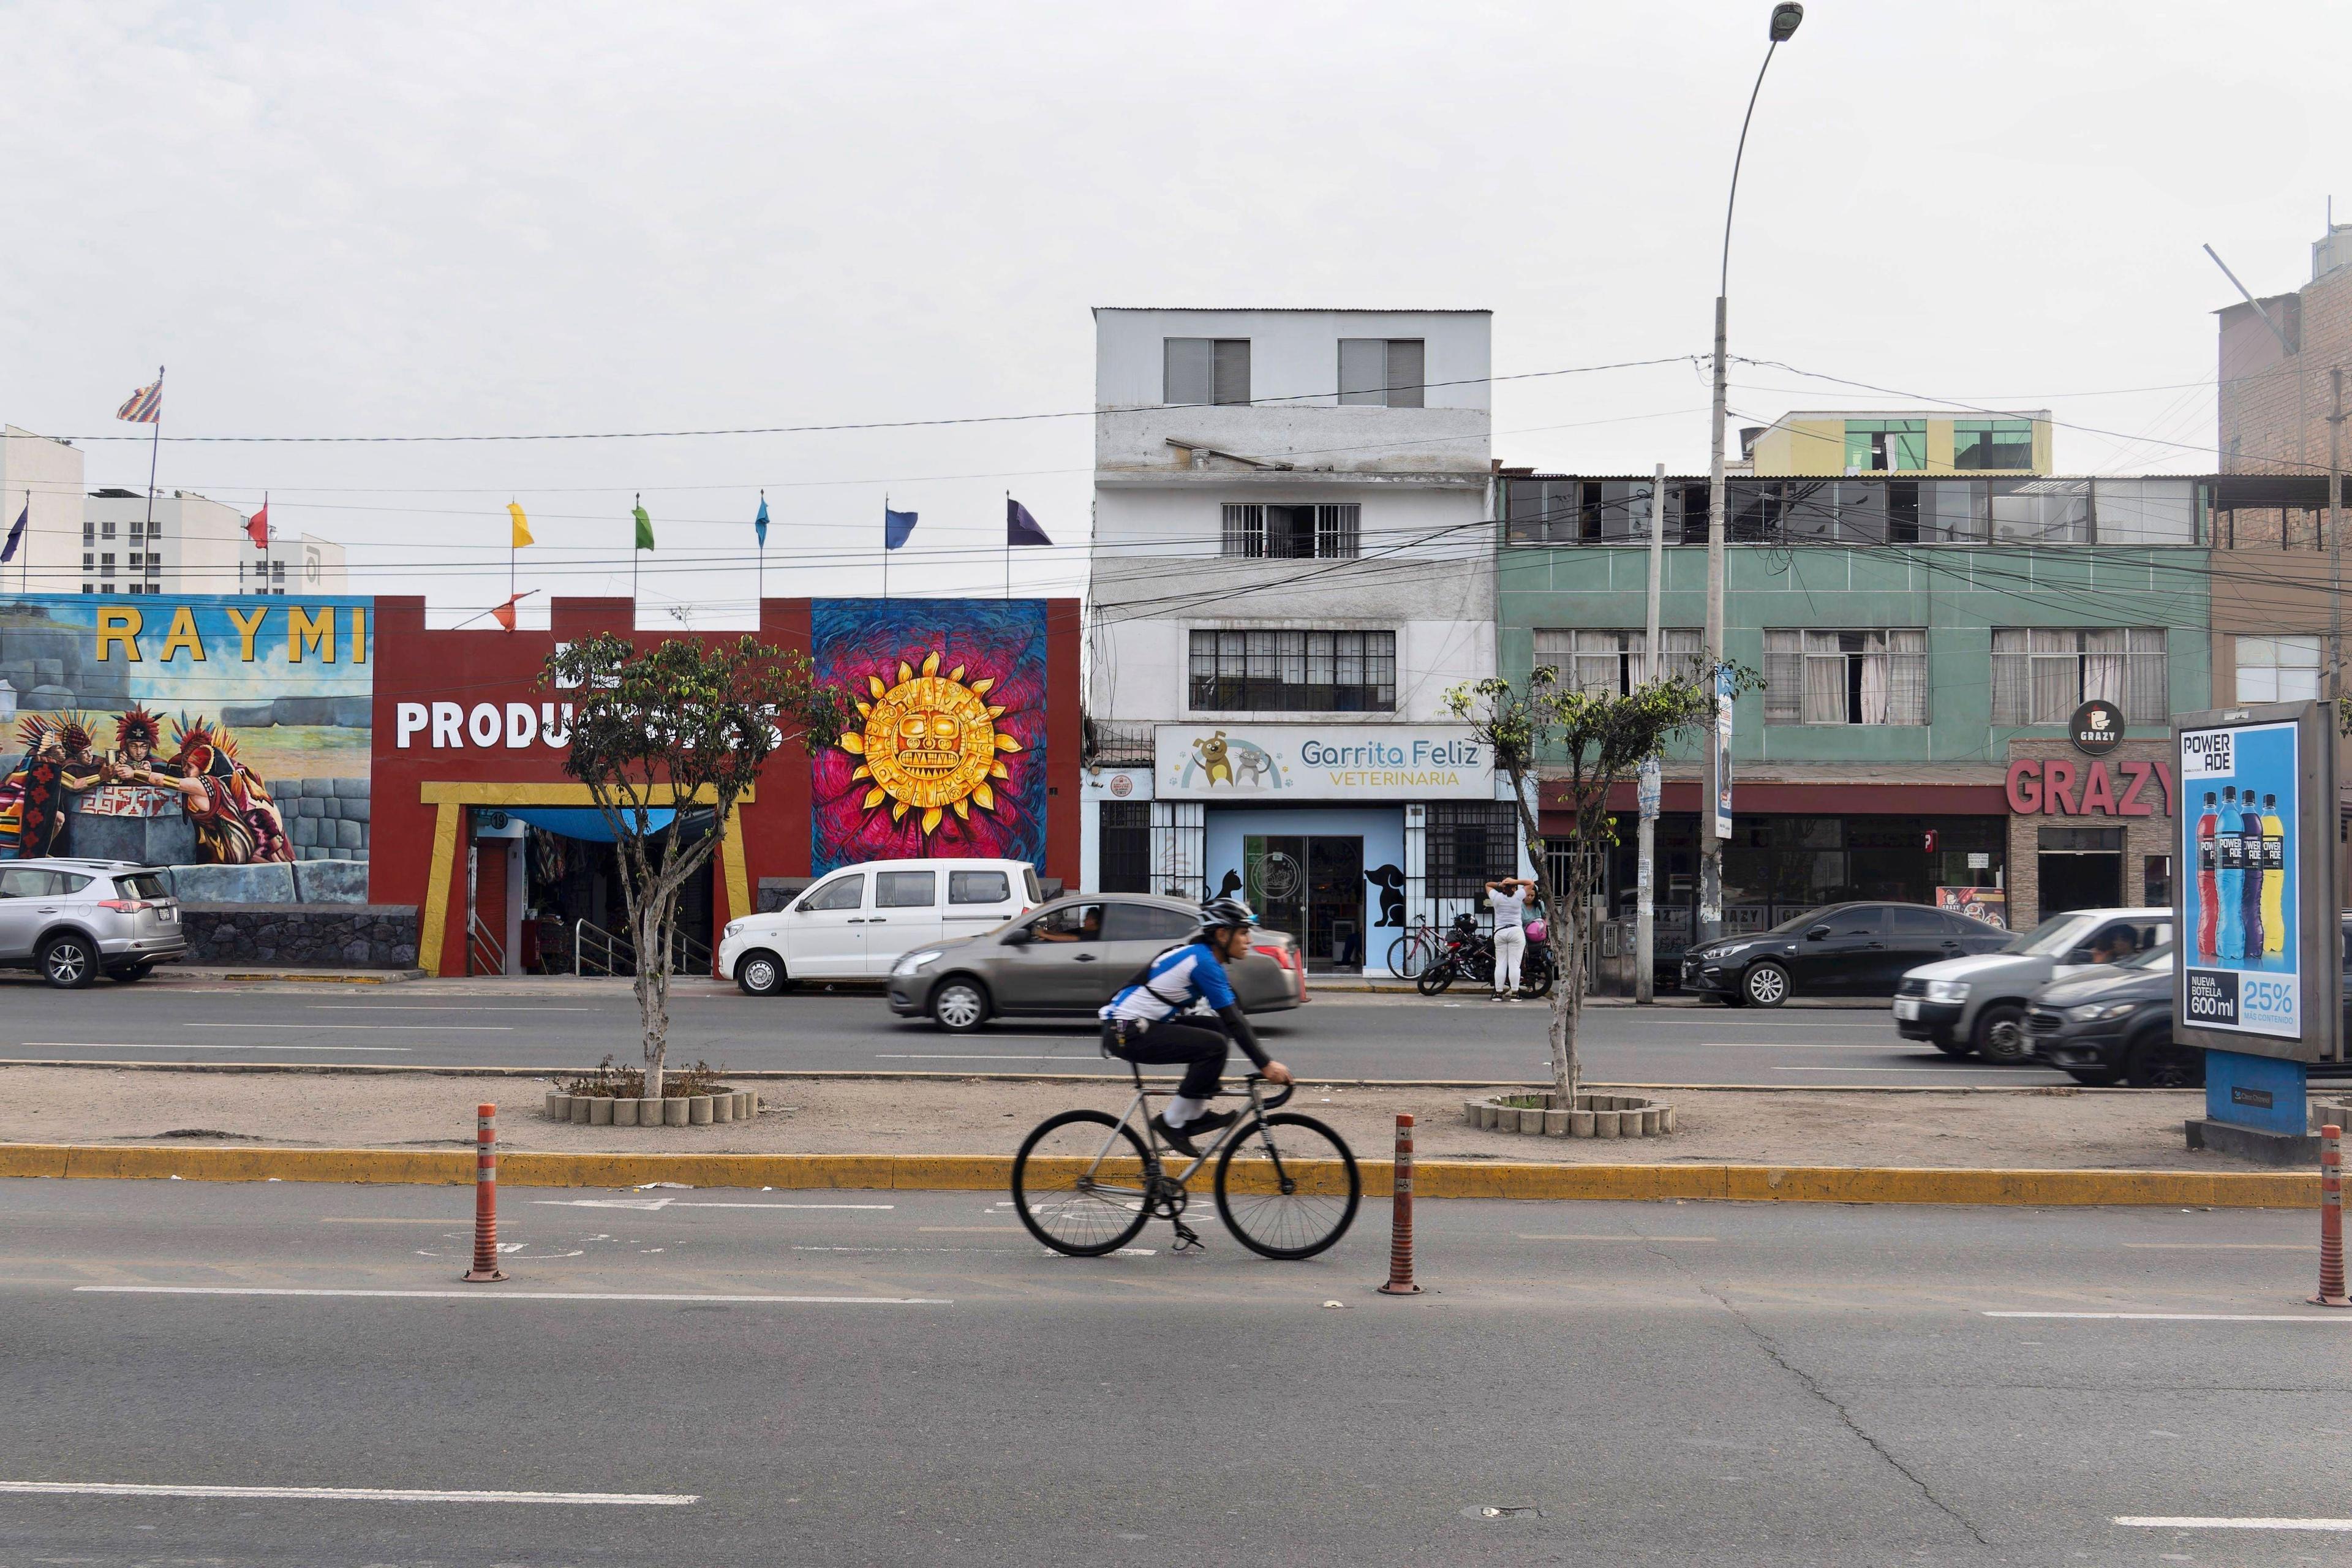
<point>59,761</point>
<point>930,743</point>
<point>228,803</point>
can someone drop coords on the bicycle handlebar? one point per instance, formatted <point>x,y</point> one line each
<point>1283,1099</point>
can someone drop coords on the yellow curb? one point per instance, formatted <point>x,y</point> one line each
<point>994,1173</point>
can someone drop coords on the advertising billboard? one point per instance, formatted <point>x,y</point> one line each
<point>2254,905</point>
<point>203,729</point>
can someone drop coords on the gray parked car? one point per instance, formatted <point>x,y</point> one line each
<point>75,919</point>
<point>1072,956</point>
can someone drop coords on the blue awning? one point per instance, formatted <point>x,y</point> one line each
<point>584,823</point>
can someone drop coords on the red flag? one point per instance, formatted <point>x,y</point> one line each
<point>256,527</point>
<point>505,613</point>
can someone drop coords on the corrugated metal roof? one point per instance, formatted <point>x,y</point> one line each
<point>1298,310</point>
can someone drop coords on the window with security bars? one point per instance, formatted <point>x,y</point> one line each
<point>2041,674</point>
<point>1293,672</point>
<point>1469,844</point>
<point>1326,531</point>
<point>1845,678</point>
<point>1612,663</point>
<point>1126,855</point>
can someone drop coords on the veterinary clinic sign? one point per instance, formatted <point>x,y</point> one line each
<point>1294,763</point>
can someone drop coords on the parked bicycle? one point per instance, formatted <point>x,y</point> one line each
<point>1084,1182</point>
<point>1415,950</point>
<point>1468,956</point>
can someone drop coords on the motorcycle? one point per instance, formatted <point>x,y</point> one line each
<point>1469,956</point>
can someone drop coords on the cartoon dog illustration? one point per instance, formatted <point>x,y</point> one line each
<point>1215,761</point>
<point>1390,880</point>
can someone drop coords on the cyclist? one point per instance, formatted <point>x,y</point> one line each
<point>1140,1024</point>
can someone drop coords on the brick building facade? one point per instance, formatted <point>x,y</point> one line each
<point>2274,396</point>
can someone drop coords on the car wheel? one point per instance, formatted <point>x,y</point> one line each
<point>2159,1063</point>
<point>760,973</point>
<point>1766,985</point>
<point>2000,1034</point>
<point>960,1006</point>
<point>69,962</point>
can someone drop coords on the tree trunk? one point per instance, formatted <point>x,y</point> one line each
<point>652,939</point>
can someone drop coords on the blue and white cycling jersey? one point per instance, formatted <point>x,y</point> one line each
<point>1176,979</point>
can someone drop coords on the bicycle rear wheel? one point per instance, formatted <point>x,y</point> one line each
<point>1077,1184</point>
<point>1287,1186</point>
<point>1408,956</point>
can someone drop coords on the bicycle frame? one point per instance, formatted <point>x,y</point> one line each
<point>1142,1101</point>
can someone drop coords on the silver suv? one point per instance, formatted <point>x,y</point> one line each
<point>73,920</point>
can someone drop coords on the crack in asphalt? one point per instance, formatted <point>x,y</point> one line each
<point>1764,1343</point>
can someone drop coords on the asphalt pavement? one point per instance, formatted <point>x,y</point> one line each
<point>571,1023</point>
<point>721,1377</point>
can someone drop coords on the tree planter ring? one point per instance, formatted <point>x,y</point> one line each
<point>671,1110</point>
<point>1542,1114</point>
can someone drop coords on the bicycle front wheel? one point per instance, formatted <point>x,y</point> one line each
<point>1077,1184</point>
<point>1407,957</point>
<point>1287,1186</point>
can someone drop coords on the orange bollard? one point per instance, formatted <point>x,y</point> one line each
<point>485,1198</point>
<point>1400,1222</point>
<point>2331,1219</point>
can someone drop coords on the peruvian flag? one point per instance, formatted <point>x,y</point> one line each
<point>256,527</point>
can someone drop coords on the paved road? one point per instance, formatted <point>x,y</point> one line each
<point>572,1023</point>
<point>1661,1383</point>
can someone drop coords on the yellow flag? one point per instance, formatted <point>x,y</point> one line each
<point>522,524</point>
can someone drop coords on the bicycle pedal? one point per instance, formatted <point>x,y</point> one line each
<point>1187,1240</point>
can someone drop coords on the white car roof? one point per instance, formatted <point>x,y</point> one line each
<point>925,865</point>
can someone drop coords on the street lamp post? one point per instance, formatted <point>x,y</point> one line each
<point>1709,924</point>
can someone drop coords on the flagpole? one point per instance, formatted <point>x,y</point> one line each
<point>28,541</point>
<point>633,553</point>
<point>155,450</point>
<point>763,554</point>
<point>885,544</point>
<point>1008,544</point>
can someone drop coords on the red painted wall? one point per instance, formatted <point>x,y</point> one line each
<point>485,664</point>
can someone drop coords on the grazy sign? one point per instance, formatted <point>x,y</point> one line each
<point>2254,905</point>
<point>2061,786</point>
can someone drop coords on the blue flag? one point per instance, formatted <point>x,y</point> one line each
<point>895,527</point>
<point>16,533</point>
<point>1020,528</point>
<point>760,524</point>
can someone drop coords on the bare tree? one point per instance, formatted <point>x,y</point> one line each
<point>1600,740</point>
<point>681,729</point>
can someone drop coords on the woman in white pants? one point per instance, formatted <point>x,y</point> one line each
<point>1509,899</point>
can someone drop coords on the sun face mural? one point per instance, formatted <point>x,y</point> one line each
<point>947,753</point>
<point>931,744</point>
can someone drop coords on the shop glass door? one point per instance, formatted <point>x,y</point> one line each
<point>1311,886</point>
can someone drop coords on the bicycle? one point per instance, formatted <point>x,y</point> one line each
<point>1415,950</point>
<point>1469,957</point>
<point>1081,1194</point>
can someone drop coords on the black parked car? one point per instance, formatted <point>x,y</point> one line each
<point>2116,1025</point>
<point>1841,950</point>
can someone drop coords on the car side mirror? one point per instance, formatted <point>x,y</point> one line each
<point>1818,933</point>
<point>1019,936</point>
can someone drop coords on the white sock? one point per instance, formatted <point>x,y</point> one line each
<point>1180,1110</point>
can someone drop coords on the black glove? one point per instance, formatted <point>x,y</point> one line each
<point>1237,1025</point>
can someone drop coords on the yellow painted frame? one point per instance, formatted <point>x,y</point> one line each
<point>451,798</point>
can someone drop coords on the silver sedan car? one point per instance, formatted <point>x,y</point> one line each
<point>1072,956</point>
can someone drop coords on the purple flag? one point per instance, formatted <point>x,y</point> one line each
<point>1020,528</point>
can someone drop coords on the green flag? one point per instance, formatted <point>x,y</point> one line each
<point>645,527</point>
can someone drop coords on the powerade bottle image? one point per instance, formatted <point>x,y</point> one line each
<point>2209,891</point>
<point>2229,874</point>
<point>2250,913</point>
<point>2274,879</point>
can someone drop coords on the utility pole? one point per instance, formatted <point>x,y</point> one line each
<point>1786,15</point>
<point>1645,910</point>
<point>2335,543</point>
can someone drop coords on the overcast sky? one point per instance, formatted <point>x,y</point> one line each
<point>404,220</point>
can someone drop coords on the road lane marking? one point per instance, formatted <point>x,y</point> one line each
<point>2183,1317</point>
<point>186,1046</point>
<point>2221,1246</point>
<point>650,1204</point>
<point>418,1008</point>
<point>2169,1522</point>
<point>989,1229</point>
<point>412,1028</point>
<point>351,1494</point>
<point>1069,1055</point>
<point>1670,1240</point>
<point>508,1295</point>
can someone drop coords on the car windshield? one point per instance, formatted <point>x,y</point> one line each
<point>2059,933</point>
<point>2157,957</point>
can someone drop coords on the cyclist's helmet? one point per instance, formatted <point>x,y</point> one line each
<point>1226,913</point>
